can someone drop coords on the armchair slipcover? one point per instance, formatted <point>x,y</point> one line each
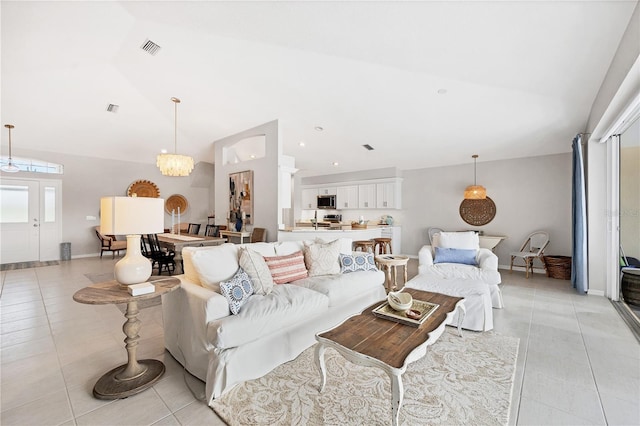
<point>485,271</point>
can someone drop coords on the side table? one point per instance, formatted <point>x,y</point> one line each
<point>389,261</point>
<point>134,376</point>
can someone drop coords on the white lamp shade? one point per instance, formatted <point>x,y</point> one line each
<point>131,215</point>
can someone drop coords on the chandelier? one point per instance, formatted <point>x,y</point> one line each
<point>475,191</point>
<point>10,168</point>
<point>175,164</point>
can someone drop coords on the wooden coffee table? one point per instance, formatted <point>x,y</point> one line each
<point>367,340</point>
<point>134,376</point>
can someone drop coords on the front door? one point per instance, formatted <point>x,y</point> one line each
<point>30,220</point>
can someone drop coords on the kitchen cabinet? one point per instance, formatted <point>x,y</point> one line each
<point>329,190</point>
<point>367,196</point>
<point>309,198</point>
<point>347,197</point>
<point>388,195</point>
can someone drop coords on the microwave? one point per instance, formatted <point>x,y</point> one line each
<point>326,201</point>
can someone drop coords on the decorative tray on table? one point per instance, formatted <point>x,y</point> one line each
<point>426,309</point>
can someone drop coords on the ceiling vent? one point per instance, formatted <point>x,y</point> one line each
<point>113,108</point>
<point>150,47</point>
<point>368,147</point>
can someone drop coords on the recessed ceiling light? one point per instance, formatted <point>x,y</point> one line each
<point>163,151</point>
<point>335,163</point>
<point>113,108</point>
<point>301,144</point>
<point>442,91</point>
<point>319,128</point>
<point>253,156</point>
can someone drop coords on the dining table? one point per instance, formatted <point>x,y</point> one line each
<point>176,242</point>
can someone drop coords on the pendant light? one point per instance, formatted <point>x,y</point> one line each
<point>175,164</point>
<point>475,192</point>
<point>10,168</point>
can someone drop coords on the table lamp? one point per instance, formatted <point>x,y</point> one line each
<point>132,216</point>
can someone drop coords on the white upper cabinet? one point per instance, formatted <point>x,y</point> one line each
<point>309,198</point>
<point>329,190</point>
<point>388,195</point>
<point>347,197</point>
<point>367,196</point>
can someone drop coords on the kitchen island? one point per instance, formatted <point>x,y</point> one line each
<point>328,234</point>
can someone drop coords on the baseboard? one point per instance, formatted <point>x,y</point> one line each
<point>595,292</point>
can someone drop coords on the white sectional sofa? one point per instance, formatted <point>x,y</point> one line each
<point>224,349</point>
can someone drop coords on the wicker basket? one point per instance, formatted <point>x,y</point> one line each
<point>358,226</point>
<point>558,267</point>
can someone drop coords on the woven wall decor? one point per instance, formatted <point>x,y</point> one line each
<point>143,188</point>
<point>478,212</point>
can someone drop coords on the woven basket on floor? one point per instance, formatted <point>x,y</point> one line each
<point>558,267</point>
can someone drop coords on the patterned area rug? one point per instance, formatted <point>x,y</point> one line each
<point>461,381</point>
<point>25,265</point>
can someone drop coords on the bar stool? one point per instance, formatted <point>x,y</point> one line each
<point>363,245</point>
<point>382,246</point>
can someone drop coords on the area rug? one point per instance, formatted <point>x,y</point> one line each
<point>108,276</point>
<point>461,381</point>
<point>25,265</point>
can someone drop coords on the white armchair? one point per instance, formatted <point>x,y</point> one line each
<point>486,270</point>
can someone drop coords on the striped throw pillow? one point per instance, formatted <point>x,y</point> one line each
<point>285,269</point>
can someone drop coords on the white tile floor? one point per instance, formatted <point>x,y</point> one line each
<point>578,363</point>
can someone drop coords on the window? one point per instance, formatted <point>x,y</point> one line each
<point>14,204</point>
<point>33,165</point>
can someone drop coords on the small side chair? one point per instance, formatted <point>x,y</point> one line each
<point>532,248</point>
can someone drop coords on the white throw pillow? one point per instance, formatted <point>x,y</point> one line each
<point>255,266</point>
<point>322,258</point>
<point>468,240</point>
<point>215,264</point>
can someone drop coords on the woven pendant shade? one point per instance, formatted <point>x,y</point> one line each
<point>475,192</point>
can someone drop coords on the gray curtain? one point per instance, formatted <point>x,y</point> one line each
<point>579,277</point>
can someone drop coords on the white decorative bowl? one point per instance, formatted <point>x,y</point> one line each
<point>405,300</point>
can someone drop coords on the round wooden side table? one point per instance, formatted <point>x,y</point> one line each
<point>388,261</point>
<point>134,376</point>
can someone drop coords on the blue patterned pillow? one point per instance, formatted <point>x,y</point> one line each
<point>237,290</point>
<point>357,262</point>
<point>452,255</point>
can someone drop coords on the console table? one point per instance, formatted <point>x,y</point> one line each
<point>241,235</point>
<point>134,376</point>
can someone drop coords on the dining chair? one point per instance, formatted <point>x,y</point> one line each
<point>164,259</point>
<point>212,231</point>
<point>258,235</point>
<point>194,228</point>
<point>433,231</point>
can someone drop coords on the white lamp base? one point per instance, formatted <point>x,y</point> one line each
<point>133,268</point>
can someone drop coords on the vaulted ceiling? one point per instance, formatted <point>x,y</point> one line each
<point>425,83</point>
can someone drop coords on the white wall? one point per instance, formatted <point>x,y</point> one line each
<point>266,209</point>
<point>530,194</point>
<point>86,179</point>
<point>618,86</point>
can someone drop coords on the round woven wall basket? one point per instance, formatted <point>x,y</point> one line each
<point>558,267</point>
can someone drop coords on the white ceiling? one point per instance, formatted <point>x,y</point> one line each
<point>520,77</point>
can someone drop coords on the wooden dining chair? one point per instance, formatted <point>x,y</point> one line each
<point>194,228</point>
<point>212,231</point>
<point>162,258</point>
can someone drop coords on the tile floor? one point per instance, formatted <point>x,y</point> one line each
<point>577,364</point>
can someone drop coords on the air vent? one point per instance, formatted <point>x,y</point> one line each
<point>113,108</point>
<point>150,47</point>
<point>368,147</point>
